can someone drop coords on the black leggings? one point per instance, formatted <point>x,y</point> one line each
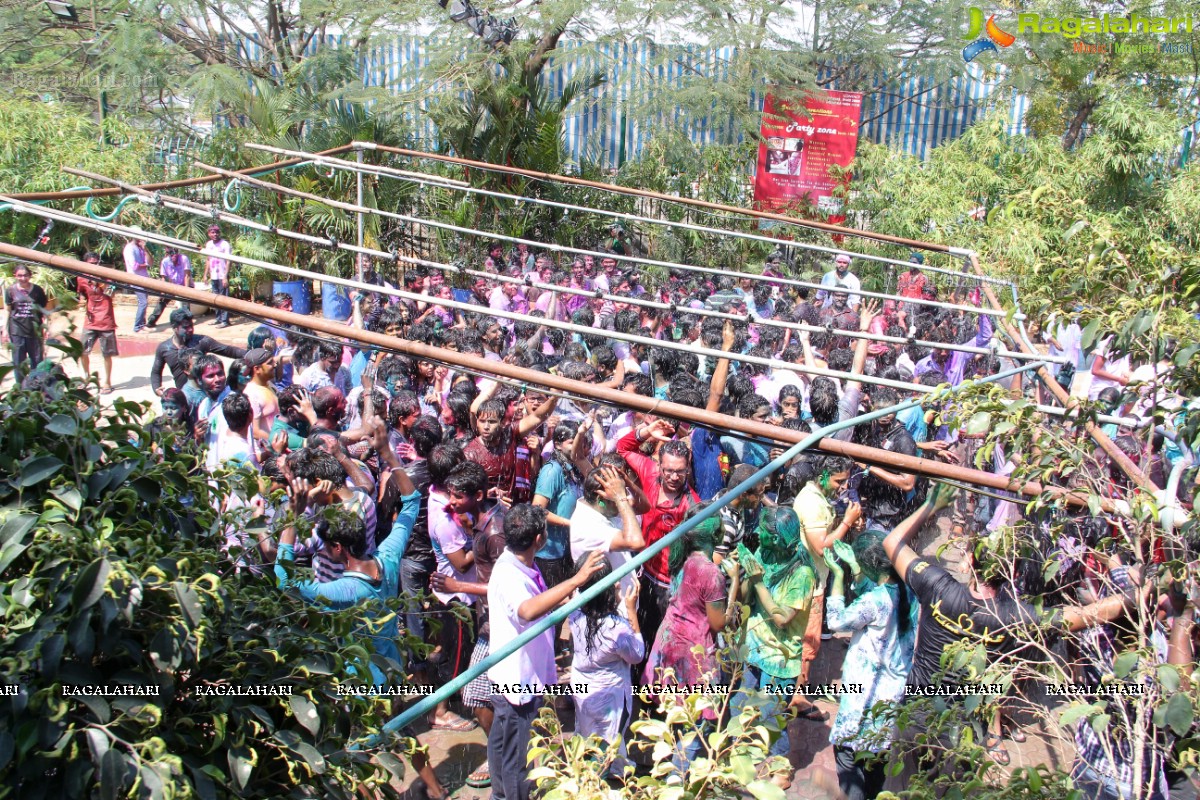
<point>856,779</point>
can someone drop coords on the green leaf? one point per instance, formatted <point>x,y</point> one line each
<point>10,553</point>
<point>7,746</point>
<point>1168,677</point>
<point>1076,712</point>
<point>62,425</point>
<point>306,713</point>
<point>1180,713</point>
<point>91,584</point>
<point>16,526</point>
<point>189,601</point>
<point>240,765</point>
<point>1089,333</point>
<point>1124,664</point>
<point>314,759</point>
<point>743,768</point>
<point>765,790</point>
<point>35,470</point>
<point>112,775</point>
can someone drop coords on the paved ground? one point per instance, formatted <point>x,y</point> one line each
<point>455,755</point>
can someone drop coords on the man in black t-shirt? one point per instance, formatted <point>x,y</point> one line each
<point>26,303</point>
<point>885,494</point>
<point>984,611</point>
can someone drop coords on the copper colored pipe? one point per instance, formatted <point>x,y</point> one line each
<point>921,466</point>
<point>30,197</point>
<point>1106,444</point>
<point>609,187</point>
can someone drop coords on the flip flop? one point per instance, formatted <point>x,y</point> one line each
<point>813,714</point>
<point>106,390</point>
<point>480,778</point>
<point>458,725</point>
<point>995,747</point>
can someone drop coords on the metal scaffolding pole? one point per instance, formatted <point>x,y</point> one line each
<point>463,186</point>
<point>199,209</point>
<point>350,207</point>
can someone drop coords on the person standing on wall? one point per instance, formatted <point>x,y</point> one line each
<point>216,269</point>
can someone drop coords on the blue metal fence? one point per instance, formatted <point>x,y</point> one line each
<point>915,112</point>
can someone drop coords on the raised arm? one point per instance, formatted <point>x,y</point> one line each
<point>539,415</point>
<point>716,387</point>
<point>866,313</point>
<point>896,544</point>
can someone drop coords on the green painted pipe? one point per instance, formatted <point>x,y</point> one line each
<point>555,618</point>
<point>87,208</point>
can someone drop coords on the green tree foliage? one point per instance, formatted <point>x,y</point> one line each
<point>1104,225</point>
<point>115,571</point>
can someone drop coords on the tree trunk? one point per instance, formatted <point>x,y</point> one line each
<point>1076,126</point>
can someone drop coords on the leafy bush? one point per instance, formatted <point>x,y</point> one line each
<point>112,574</point>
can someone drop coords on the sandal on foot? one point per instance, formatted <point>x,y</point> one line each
<point>480,778</point>
<point>813,714</point>
<point>995,747</point>
<point>455,723</point>
<point>106,390</point>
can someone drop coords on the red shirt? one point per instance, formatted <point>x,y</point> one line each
<point>910,285</point>
<point>663,517</point>
<point>99,308</point>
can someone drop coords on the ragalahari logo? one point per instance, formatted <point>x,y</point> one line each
<point>994,36</point>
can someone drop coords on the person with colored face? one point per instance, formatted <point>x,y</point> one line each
<point>778,584</point>
<point>183,337</point>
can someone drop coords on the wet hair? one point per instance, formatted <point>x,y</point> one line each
<point>573,351</point>
<point>314,464</point>
<point>180,316</point>
<point>238,377</point>
<point>393,373</point>
<point>738,386</point>
<point>459,403</point>
<point>494,407</point>
<point>823,401</point>
<point>641,383</point>
<point>378,399</point>
<point>597,611</point>
<point>884,396</point>
<point>523,524</point>
<point>261,337</point>
<point>404,403</point>
<point>676,448</point>
<point>203,362</point>
<point>686,391</point>
<point>605,358</point>
<point>749,404</point>
<point>577,371</point>
<point>841,360</point>
<point>443,458</point>
<point>347,529</point>
<point>468,478</point>
<point>237,411</point>
<point>797,475</point>
<point>704,537</point>
<point>870,555</point>
<point>425,434</point>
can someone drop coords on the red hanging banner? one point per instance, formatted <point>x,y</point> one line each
<point>799,146</point>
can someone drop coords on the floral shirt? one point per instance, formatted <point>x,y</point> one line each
<point>879,658</point>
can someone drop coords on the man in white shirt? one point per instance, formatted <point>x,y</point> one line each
<point>517,600</point>
<point>604,520</point>
<point>216,268</point>
<point>841,276</point>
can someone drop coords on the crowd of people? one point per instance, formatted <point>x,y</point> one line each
<point>460,492</point>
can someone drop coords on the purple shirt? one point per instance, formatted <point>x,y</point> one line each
<point>176,269</point>
<point>136,260</point>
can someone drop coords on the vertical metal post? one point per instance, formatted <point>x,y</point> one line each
<point>358,260</point>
